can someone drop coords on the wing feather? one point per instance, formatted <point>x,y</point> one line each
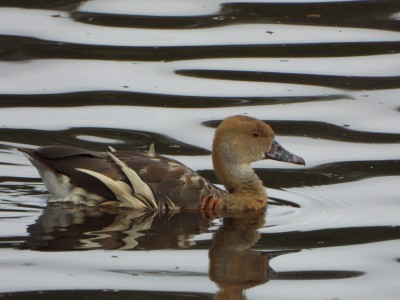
<point>121,190</point>
<point>138,185</point>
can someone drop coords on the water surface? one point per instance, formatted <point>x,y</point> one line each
<point>324,74</point>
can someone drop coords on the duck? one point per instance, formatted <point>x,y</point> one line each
<point>144,180</point>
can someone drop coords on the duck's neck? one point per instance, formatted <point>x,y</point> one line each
<point>246,190</point>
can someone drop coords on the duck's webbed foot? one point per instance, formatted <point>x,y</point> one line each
<point>210,206</point>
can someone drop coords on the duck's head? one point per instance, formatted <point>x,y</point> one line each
<point>243,140</point>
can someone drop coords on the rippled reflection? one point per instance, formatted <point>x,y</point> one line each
<point>70,227</point>
<point>238,257</point>
<point>234,267</point>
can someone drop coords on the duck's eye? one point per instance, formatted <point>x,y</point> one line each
<point>256,134</point>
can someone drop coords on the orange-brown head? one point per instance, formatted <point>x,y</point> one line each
<point>243,140</point>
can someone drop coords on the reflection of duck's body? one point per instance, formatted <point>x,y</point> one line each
<point>148,181</point>
<point>63,226</point>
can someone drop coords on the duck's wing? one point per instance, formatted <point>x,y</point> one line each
<point>174,185</point>
<point>126,178</point>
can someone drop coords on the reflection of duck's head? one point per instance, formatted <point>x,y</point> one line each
<point>234,266</point>
<point>146,181</point>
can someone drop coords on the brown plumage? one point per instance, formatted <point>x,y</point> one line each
<point>144,180</point>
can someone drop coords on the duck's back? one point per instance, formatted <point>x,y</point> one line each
<point>89,177</point>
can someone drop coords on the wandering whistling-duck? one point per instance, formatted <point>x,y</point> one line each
<point>147,181</point>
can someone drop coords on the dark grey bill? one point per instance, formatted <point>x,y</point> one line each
<point>277,152</point>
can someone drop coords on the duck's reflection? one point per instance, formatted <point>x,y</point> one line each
<point>234,267</point>
<point>72,227</point>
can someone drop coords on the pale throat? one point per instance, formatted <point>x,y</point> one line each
<point>243,172</point>
<point>237,177</point>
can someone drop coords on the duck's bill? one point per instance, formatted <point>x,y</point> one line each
<point>277,152</point>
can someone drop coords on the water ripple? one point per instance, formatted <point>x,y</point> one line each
<point>324,74</point>
<point>17,48</point>
<point>341,82</point>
